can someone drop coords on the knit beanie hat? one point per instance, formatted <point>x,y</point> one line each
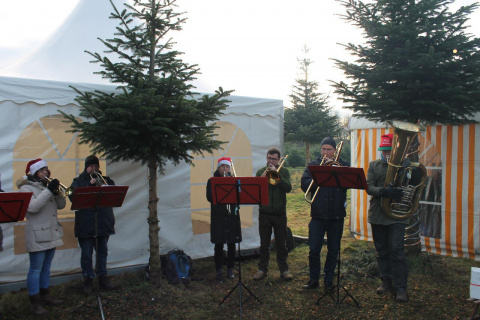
<point>224,160</point>
<point>386,142</point>
<point>91,160</point>
<point>35,165</point>
<point>329,141</point>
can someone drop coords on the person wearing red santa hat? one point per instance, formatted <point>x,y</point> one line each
<point>43,232</point>
<point>224,224</point>
<point>388,235</point>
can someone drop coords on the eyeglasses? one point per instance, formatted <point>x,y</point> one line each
<point>272,159</point>
<point>326,150</point>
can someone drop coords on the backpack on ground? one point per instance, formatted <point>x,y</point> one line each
<point>290,240</point>
<point>178,267</point>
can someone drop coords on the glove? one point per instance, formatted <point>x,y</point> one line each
<point>391,192</point>
<point>53,186</point>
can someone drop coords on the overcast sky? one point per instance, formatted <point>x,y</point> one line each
<point>250,46</point>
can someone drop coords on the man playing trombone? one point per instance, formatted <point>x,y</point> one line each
<point>274,216</point>
<point>86,231</point>
<point>328,212</point>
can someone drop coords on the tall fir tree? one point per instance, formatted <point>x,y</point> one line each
<point>153,117</point>
<point>310,119</point>
<point>418,62</point>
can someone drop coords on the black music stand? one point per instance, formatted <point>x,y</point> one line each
<point>338,177</point>
<point>97,197</point>
<point>13,206</point>
<point>240,190</point>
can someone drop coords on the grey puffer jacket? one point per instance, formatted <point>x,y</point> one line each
<point>42,230</point>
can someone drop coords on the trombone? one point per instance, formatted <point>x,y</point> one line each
<point>62,189</point>
<point>274,175</point>
<point>335,162</point>
<point>97,175</point>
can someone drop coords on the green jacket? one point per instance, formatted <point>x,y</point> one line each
<point>377,171</point>
<point>277,195</point>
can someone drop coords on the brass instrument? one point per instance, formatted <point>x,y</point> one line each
<point>62,189</point>
<point>97,175</point>
<point>274,175</point>
<point>399,176</point>
<point>335,162</point>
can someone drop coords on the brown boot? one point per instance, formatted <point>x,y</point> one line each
<point>47,299</point>
<point>36,305</point>
<point>385,286</point>
<point>105,284</point>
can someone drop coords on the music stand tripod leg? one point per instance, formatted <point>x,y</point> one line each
<point>337,287</point>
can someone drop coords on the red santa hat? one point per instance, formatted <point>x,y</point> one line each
<point>224,160</point>
<point>386,142</point>
<point>35,165</point>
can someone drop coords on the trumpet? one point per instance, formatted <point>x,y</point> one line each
<point>274,175</point>
<point>62,189</point>
<point>99,180</point>
<point>335,162</point>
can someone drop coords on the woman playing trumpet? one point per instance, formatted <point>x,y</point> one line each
<point>43,232</point>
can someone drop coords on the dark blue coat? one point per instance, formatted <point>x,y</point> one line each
<point>330,202</point>
<point>85,218</point>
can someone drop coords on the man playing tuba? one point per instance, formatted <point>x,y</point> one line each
<point>388,234</point>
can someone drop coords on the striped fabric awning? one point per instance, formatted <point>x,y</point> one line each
<point>449,209</point>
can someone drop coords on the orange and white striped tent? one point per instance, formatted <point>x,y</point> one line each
<point>449,208</point>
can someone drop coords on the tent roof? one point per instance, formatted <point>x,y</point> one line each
<point>21,90</point>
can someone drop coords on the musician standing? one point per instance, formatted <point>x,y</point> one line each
<point>86,233</point>
<point>274,216</point>
<point>388,234</point>
<point>224,224</point>
<point>43,232</point>
<point>327,213</point>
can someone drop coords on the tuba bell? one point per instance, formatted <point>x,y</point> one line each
<point>410,177</point>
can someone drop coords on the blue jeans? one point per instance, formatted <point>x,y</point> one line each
<point>389,243</point>
<point>39,271</point>
<point>316,233</point>
<point>86,260</point>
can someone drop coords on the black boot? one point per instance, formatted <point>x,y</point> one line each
<point>36,307</point>
<point>87,285</point>
<point>47,299</point>
<point>105,284</point>
<point>385,286</point>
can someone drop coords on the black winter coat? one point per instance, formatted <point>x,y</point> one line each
<point>85,218</point>
<point>224,225</point>
<point>330,202</point>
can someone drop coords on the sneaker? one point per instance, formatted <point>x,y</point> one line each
<point>286,275</point>
<point>385,286</point>
<point>259,275</point>
<point>311,284</point>
<point>87,285</point>
<point>230,274</point>
<point>219,274</point>
<point>104,284</point>
<point>401,295</point>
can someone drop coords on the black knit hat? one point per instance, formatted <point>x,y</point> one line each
<point>91,160</point>
<point>329,141</point>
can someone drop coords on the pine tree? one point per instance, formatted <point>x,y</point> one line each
<point>153,117</point>
<point>310,119</point>
<point>418,62</point>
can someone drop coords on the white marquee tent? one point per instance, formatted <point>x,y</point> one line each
<point>32,92</point>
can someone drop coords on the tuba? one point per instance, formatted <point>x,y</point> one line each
<point>410,178</point>
<point>335,162</point>
<point>273,175</point>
